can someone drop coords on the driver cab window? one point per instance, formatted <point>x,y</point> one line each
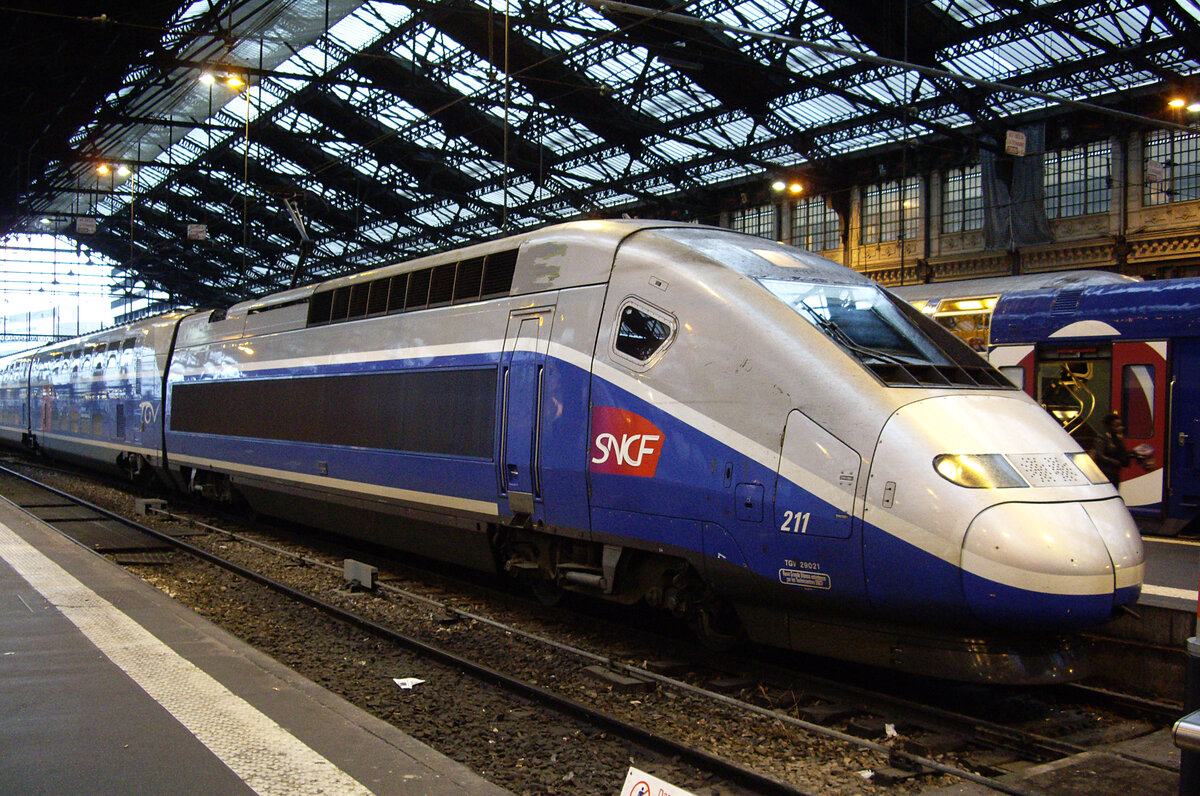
<point>642,332</point>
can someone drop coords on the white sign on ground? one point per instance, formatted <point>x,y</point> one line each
<point>639,783</point>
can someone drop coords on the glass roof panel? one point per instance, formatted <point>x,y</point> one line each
<point>848,105</point>
<point>972,12</point>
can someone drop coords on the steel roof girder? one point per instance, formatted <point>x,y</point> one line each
<point>541,72</point>
<point>452,110</point>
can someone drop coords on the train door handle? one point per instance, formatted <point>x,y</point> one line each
<point>1183,438</point>
<point>513,474</point>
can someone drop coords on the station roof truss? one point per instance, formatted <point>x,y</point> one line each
<point>369,132</point>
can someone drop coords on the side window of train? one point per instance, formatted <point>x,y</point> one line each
<point>643,332</point>
<point>1137,401</point>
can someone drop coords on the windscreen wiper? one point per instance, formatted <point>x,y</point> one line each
<point>841,338</point>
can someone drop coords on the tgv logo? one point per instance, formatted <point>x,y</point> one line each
<point>624,443</point>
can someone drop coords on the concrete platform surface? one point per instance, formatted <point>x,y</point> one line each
<point>108,686</point>
<point>1138,767</point>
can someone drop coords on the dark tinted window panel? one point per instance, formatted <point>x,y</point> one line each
<point>273,307</point>
<point>320,308</point>
<point>418,290</point>
<point>470,279</point>
<point>341,304</point>
<point>399,287</point>
<point>443,412</point>
<point>441,285</point>
<point>378,298</point>
<point>498,273</point>
<point>358,300</point>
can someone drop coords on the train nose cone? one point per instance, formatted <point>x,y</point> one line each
<point>1051,565</point>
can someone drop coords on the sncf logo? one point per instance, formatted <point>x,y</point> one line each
<point>624,443</point>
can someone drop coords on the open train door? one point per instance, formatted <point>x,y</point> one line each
<point>1183,444</point>
<point>1140,384</point>
<point>522,385</point>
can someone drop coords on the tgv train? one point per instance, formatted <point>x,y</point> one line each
<point>743,433</point>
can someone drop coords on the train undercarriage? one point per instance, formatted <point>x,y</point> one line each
<point>552,565</point>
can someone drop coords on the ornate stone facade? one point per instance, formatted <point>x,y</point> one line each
<point>1160,241</point>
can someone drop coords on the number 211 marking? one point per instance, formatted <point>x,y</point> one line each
<point>795,522</point>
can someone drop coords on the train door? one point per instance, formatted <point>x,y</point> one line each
<point>1074,384</point>
<point>1139,395</point>
<point>1184,452</point>
<point>813,536</point>
<point>522,382</point>
<point>824,503</point>
<point>1080,384</point>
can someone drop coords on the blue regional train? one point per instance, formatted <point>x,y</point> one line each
<point>1131,348</point>
<point>754,438</point>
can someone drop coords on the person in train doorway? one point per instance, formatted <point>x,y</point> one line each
<point>1110,452</point>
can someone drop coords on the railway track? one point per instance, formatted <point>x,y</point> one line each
<point>904,743</point>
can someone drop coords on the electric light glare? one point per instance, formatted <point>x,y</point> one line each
<point>978,470</point>
<point>795,187</point>
<point>102,168</point>
<point>207,78</point>
<point>1177,102</point>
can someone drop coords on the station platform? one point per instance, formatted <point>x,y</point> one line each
<point>107,686</point>
<point>1142,766</point>
<point>1172,573</point>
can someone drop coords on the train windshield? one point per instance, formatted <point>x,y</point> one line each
<point>887,336</point>
<point>861,319</point>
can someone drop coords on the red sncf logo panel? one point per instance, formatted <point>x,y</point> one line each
<point>624,443</point>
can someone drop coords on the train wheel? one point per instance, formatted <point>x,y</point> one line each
<point>717,625</point>
<point>546,593</point>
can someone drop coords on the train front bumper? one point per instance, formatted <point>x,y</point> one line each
<point>1060,566</point>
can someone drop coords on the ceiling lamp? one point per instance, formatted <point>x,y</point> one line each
<point>791,185</point>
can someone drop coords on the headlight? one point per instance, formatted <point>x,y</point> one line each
<point>977,470</point>
<point>1089,467</point>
